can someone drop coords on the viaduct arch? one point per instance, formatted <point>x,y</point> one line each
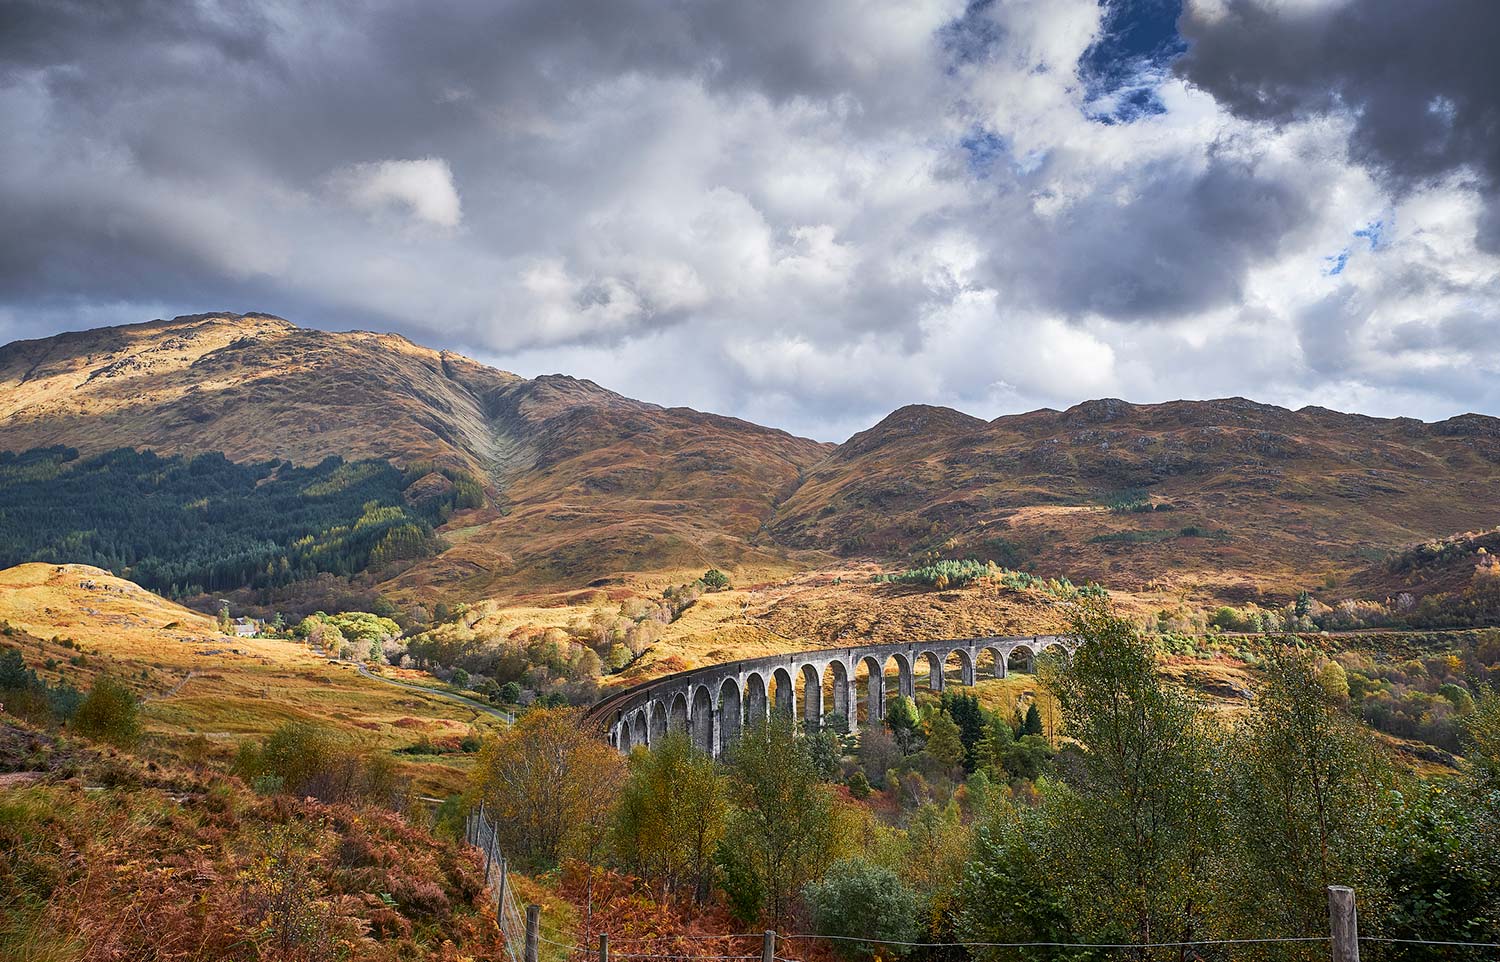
<point>714,704</point>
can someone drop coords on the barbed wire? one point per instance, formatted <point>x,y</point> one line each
<point>512,924</point>
<point>1464,945</point>
<point>659,938</point>
<point>1054,945</point>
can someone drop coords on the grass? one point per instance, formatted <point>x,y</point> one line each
<point>1150,536</point>
<point>246,688</point>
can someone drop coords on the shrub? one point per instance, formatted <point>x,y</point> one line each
<point>947,573</point>
<point>109,713</point>
<point>858,900</point>
<point>300,759</point>
<point>283,902</point>
<point>715,580</point>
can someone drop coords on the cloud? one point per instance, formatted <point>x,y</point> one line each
<point>1418,80</point>
<point>803,214</point>
<point>421,188</point>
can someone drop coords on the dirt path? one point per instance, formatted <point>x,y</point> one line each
<point>174,689</point>
<point>504,716</point>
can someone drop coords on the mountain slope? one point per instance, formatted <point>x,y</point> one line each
<point>253,387</point>
<point>581,483</point>
<point>1226,498</point>
<point>1230,495</point>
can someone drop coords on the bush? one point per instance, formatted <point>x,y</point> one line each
<point>858,900</point>
<point>300,759</point>
<point>944,574</point>
<point>715,580</point>
<point>109,713</point>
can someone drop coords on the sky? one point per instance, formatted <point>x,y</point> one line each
<point>805,213</point>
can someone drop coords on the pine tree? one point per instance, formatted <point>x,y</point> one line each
<point>901,719</point>
<point>1033,723</point>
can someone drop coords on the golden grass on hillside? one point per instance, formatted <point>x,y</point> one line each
<point>821,609</point>
<point>197,681</point>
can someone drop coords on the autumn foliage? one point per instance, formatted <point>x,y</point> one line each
<point>166,864</point>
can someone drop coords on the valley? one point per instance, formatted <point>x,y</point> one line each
<point>347,589</point>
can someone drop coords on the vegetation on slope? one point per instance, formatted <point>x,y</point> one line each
<point>184,527</point>
<point>1122,810</point>
<point>203,693</point>
<point>945,573</point>
<point>106,856</point>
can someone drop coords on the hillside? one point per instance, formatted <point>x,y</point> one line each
<point>581,483</point>
<point>1226,497</point>
<point>253,387</point>
<point>577,487</point>
<point>73,623</point>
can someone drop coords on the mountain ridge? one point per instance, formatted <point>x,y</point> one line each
<point>583,484</point>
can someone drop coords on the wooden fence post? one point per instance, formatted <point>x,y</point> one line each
<point>533,931</point>
<point>603,947</point>
<point>768,947</point>
<point>504,881</point>
<point>1343,919</point>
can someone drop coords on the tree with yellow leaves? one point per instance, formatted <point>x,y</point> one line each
<point>549,786</point>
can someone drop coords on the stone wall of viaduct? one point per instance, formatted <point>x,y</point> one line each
<point>714,703</point>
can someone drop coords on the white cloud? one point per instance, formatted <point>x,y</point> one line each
<point>422,189</point>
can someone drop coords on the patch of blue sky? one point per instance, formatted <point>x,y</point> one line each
<point>983,149</point>
<point>1373,232</point>
<point>1131,57</point>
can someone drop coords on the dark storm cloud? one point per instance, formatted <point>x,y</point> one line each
<point>1181,244</point>
<point>1420,81</point>
<point>829,207</point>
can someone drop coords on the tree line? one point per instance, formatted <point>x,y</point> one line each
<point>186,526</point>
<point>1153,819</point>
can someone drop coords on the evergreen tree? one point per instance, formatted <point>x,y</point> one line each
<point>1033,723</point>
<point>901,719</point>
<point>971,719</point>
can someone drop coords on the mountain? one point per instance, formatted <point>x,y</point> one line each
<point>580,483</point>
<point>571,485</point>
<point>250,386</point>
<point>1230,496</point>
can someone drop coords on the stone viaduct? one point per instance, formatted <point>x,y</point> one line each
<point>714,703</point>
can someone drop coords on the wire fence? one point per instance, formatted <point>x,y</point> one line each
<point>480,833</point>
<point>523,938</point>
